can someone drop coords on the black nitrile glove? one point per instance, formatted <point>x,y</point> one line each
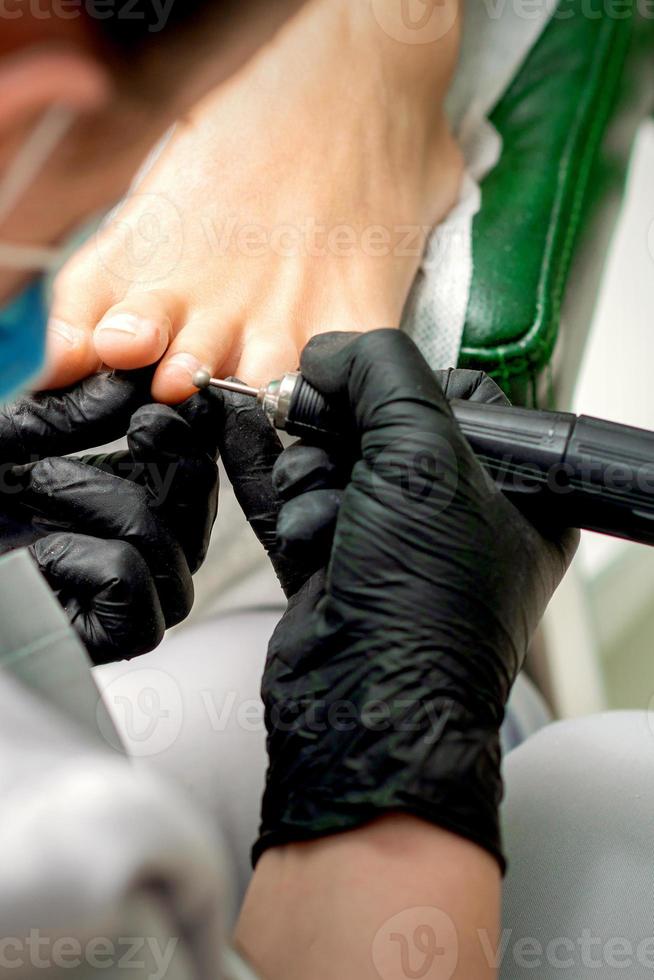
<point>249,448</point>
<point>92,413</point>
<point>387,678</point>
<point>116,536</point>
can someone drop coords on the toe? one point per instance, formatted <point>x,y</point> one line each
<point>137,331</point>
<point>267,354</point>
<point>80,297</point>
<point>70,354</point>
<point>202,343</point>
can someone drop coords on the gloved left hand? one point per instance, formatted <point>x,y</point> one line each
<point>118,536</point>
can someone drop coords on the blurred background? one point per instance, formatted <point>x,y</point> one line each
<point>600,630</point>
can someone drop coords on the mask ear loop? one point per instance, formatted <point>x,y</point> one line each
<point>23,171</point>
<point>29,258</point>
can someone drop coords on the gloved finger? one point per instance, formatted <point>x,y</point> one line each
<point>288,645</point>
<point>180,476</point>
<point>204,412</point>
<point>118,464</point>
<point>94,412</point>
<point>249,449</point>
<point>174,460</point>
<point>16,531</point>
<point>474,386</point>
<point>64,494</point>
<point>107,592</point>
<point>302,468</point>
<point>306,526</point>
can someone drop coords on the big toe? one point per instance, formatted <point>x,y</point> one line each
<point>70,354</point>
<point>136,332</point>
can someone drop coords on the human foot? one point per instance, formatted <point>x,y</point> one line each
<point>296,199</point>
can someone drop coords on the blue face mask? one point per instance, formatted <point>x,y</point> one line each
<point>22,339</point>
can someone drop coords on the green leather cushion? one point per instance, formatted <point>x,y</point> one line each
<point>552,121</point>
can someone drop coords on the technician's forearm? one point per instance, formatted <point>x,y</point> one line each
<point>395,895</point>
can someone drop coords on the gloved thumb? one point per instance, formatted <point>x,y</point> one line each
<point>370,376</point>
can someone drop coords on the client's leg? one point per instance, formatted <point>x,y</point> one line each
<point>579,835</point>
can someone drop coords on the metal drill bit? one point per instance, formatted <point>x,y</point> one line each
<point>202,379</point>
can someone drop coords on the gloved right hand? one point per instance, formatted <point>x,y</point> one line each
<point>413,630</point>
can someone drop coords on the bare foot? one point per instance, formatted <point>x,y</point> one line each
<point>296,199</point>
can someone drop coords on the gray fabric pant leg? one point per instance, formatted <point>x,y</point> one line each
<point>192,711</point>
<point>578,824</point>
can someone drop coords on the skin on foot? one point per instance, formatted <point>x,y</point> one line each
<point>293,200</point>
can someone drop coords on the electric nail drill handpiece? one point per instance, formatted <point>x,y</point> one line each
<point>574,471</point>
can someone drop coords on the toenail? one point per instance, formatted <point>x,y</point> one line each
<point>185,364</point>
<point>70,335</point>
<point>131,325</point>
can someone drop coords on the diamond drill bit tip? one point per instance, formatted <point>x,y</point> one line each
<point>202,378</point>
